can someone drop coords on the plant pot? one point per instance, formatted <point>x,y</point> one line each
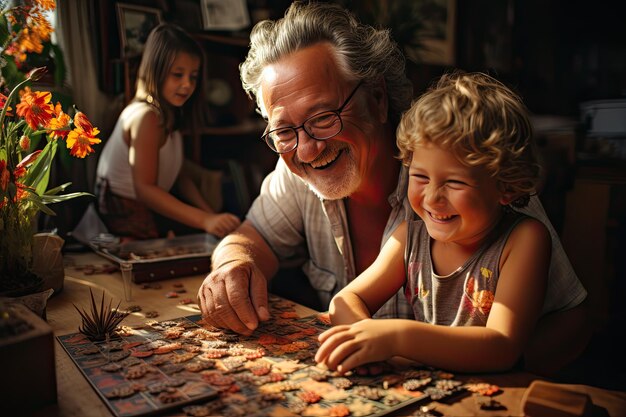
<point>36,266</point>
<point>17,226</point>
<point>18,287</point>
<point>48,261</point>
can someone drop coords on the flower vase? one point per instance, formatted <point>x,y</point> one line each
<point>48,261</point>
<point>16,250</point>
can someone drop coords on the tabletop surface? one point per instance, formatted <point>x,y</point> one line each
<point>85,271</point>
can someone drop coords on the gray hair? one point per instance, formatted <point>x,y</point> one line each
<point>362,52</point>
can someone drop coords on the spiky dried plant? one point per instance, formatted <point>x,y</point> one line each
<point>101,322</point>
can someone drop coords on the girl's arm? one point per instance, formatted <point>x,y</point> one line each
<point>496,347</point>
<point>362,297</point>
<point>145,139</point>
<point>190,192</point>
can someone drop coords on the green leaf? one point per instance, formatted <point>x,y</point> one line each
<point>57,190</point>
<point>51,199</point>
<point>12,76</point>
<point>38,202</point>
<point>38,175</point>
<point>4,29</point>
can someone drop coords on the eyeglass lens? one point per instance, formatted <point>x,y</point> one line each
<point>321,126</point>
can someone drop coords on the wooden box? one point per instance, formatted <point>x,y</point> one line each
<point>27,362</point>
<point>158,259</point>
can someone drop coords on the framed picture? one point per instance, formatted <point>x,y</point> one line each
<point>438,33</point>
<point>135,23</point>
<point>225,14</point>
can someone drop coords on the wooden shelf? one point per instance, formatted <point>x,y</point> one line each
<point>231,40</point>
<point>248,127</point>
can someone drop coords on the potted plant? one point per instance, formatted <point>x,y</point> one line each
<point>31,129</point>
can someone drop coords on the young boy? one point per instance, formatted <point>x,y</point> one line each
<point>473,269</point>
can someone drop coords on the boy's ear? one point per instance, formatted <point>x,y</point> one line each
<point>507,197</point>
<point>519,200</point>
<point>379,93</point>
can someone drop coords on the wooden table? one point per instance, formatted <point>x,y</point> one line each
<point>77,398</point>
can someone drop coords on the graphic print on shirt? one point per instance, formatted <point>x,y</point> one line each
<point>479,299</point>
<point>418,291</point>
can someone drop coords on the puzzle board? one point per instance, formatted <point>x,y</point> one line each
<point>199,370</point>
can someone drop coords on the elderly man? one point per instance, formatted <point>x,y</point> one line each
<point>332,91</point>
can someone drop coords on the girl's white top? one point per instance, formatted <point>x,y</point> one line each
<point>114,163</point>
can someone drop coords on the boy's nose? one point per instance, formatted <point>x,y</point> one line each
<point>433,193</point>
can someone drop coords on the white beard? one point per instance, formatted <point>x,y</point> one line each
<point>341,187</point>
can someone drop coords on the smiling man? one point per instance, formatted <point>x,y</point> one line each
<point>332,91</point>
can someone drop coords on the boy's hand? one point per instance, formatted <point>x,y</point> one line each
<point>349,346</point>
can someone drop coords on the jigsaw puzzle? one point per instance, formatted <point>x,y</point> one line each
<point>185,367</point>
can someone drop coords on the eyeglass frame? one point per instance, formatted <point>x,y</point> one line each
<point>265,137</point>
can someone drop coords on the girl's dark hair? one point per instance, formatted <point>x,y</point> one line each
<point>163,44</point>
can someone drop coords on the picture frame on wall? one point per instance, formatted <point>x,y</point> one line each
<point>225,15</point>
<point>438,34</point>
<point>135,23</point>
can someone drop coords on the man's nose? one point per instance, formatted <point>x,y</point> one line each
<point>308,148</point>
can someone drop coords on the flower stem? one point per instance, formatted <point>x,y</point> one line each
<point>6,106</point>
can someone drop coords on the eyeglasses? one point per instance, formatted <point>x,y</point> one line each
<point>321,126</point>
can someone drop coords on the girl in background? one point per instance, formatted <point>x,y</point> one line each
<point>143,158</point>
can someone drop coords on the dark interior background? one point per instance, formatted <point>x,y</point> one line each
<point>556,54</point>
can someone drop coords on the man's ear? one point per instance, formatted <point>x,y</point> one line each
<point>379,93</point>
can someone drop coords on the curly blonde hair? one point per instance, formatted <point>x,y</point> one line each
<point>482,122</point>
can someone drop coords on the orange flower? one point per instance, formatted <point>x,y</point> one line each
<point>80,141</point>
<point>21,191</point>
<point>28,160</point>
<point>35,28</point>
<point>25,143</point>
<point>81,121</point>
<point>4,175</point>
<point>35,108</point>
<point>59,125</point>
<point>3,102</point>
<point>46,4</point>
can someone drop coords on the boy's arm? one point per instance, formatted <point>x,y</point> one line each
<point>516,308</point>
<point>362,297</point>
<point>519,296</point>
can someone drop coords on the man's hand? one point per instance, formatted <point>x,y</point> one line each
<point>349,346</point>
<point>234,296</point>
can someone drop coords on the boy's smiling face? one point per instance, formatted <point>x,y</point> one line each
<point>458,203</point>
